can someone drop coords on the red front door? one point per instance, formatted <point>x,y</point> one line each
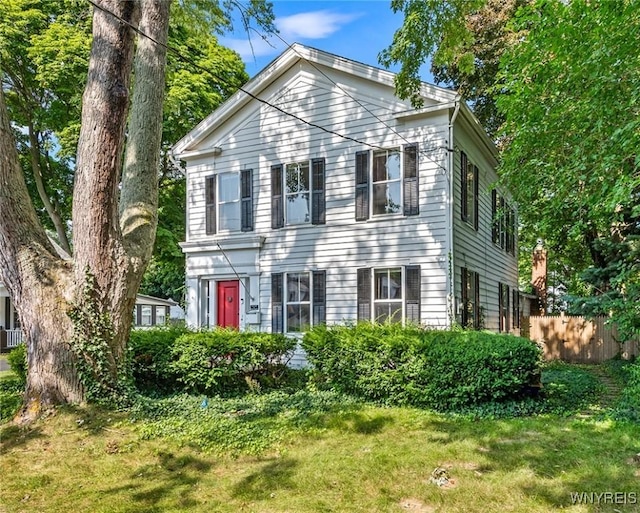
<point>229,304</point>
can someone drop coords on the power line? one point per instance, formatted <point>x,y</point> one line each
<point>344,91</point>
<point>221,79</point>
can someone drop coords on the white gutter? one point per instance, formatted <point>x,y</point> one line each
<point>451,269</point>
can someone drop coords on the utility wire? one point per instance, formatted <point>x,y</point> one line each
<point>221,79</point>
<point>344,91</point>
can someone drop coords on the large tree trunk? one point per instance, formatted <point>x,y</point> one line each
<point>77,315</point>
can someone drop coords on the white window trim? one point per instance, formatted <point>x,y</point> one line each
<point>219,203</point>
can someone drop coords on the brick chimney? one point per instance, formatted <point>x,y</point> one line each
<point>539,276</point>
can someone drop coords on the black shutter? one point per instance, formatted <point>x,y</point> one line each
<point>277,310</point>
<point>246,200</point>
<point>364,294</point>
<point>500,308</point>
<point>210,210</point>
<point>515,308</point>
<point>476,302</point>
<point>412,295</point>
<point>319,297</point>
<point>463,186</point>
<point>476,180</point>
<point>464,297</point>
<point>495,222</point>
<point>362,185</point>
<point>138,315</point>
<point>318,202</point>
<point>503,220</point>
<point>410,182</point>
<point>277,199</point>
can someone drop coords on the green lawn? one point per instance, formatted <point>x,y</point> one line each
<point>313,452</point>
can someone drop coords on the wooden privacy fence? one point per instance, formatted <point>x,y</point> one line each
<point>577,339</point>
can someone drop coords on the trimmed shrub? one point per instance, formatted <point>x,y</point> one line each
<point>222,361</point>
<point>17,359</point>
<point>150,351</point>
<point>444,370</point>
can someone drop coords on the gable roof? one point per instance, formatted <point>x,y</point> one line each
<point>290,57</point>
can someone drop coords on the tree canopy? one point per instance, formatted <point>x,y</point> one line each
<point>558,85</point>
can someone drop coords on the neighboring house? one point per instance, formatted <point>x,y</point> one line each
<point>154,311</point>
<point>10,333</point>
<point>149,311</point>
<point>385,213</point>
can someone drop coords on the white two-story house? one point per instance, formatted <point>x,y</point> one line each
<point>315,195</point>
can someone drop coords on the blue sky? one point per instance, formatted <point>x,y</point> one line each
<point>355,29</point>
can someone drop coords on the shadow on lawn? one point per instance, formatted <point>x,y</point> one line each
<point>569,456</point>
<point>150,484</point>
<point>271,477</point>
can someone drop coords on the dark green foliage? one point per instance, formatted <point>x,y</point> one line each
<point>151,351</point>
<point>628,373</point>
<point>17,359</point>
<point>444,370</point>
<point>224,361</point>
<point>11,389</point>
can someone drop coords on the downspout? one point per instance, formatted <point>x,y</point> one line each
<point>450,263</point>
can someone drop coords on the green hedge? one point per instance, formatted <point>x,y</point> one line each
<point>17,359</point>
<point>216,362</point>
<point>444,370</point>
<point>151,357</point>
<point>221,361</point>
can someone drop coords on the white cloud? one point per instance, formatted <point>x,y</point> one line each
<point>312,25</point>
<point>294,28</point>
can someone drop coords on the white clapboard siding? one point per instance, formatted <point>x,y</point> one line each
<point>359,103</point>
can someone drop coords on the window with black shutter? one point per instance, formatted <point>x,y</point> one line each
<point>412,294</point>
<point>277,200</point>
<point>319,297</point>
<point>389,294</point>
<point>495,217</point>
<point>362,185</point>
<point>364,294</point>
<point>210,205</point>
<point>503,306</point>
<point>469,189</point>
<point>515,315</point>
<point>463,186</point>
<point>246,200</point>
<point>318,202</point>
<point>470,298</point>
<point>277,311</point>
<point>410,182</point>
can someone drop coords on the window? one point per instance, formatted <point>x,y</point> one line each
<point>387,182</point>
<point>503,223</point>
<point>161,315</point>
<point>297,193</point>
<point>229,202</point>
<point>389,294</point>
<point>516,309</point>
<point>298,301</point>
<point>470,288</point>
<point>503,306</point>
<point>469,189</point>
<point>297,204</point>
<point>145,315</point>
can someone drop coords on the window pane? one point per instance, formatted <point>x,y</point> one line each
<point>391,312</point>
<point>160,315</point>
<point>393,166</point>
<point>386,198</point>
<point>298,208</point>
<point>298,318</point>
<point>379,166</point>
<point>298,287</point>
<point>297,177</point>
<point>229,216</point>
<point>388,284</point>
<point>229,188</point>
<point>146,315</point>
